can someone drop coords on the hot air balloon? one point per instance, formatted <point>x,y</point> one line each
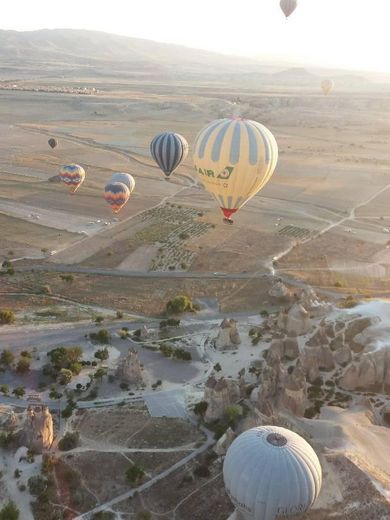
<point>169,150</point>
<point>271,472</point>
<point>327,86</point>
<point>288,6</point>
<point>52,142</point>
<point>73,176</point>
<point>234,158</point>
<point>125,178</point>
<point>116,194</point>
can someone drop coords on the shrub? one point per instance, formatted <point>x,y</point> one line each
<point>69,441</point>
<point>69,278</point>
<point>37,485</point>
<point>102,337</point>
<point>135,474</point>
<point>7,317</point>
<point>23,365</point>
<point>9,512</point>
<point>217,367</point>
<point>200,408</point>
<point>19,391</point>
<point>179,305</point>
<point>6,358</point>
<point>202,471</point>
<point>119,315</point>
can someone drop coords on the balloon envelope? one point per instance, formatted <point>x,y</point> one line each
<point>116,195</point>
<point>125,178</point>
<point>234,158</point>
<point>169,150</point>
<point>72,175</point>
<point>327,86</point>
<point>271,472</point>
<point>288,6</point>
<point>52,142</point>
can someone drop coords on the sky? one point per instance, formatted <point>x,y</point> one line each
<point>352,34</point>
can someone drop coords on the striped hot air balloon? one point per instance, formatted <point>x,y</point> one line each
<point>125,178</point>
<point>116,195</point>
<point>169,150</point>
<point>73,176</point>
<point>288,6</point>
<point>234,158</point>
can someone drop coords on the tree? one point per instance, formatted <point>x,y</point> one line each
<point>119,315</point>
<point>65,376</point>
<point>166,349</point>
<point>19,391</point>
<point>200,408</point>
<point>217,367</point>
<point>99,319</point>
<point>4,389</point>
<point>54,394</point>
<point>9,512</point>
<point>179,305</point>
<point>23,365</point>
<point>37,485</point>
<point>6,358</point>
<point>103,337</point>
<point>135,474</point>
<point>6,317</point>
<point>100,373</point>
<point>103,354</point>
<point>232,414</point>
<point>69,441</point>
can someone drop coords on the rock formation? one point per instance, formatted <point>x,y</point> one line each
<point>295,320</point>
<point>219,394</point>
<point>280,293</point>
<point>314,306</point>
<point>224,442</point>
<point>129,369</point>
<point>285,347</point>
<point>228,335</point>
<point>38,431</point>
<point>8,418</point>
<point>316,359</point>
<point>371,373</point>
<point>282,389</point>
<point>144,333</point>
<point>343,356</point>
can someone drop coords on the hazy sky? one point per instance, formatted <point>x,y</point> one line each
<point>341,33</point>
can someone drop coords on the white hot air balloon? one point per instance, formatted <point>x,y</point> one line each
<point>271,472</point>
<point>124,178</point>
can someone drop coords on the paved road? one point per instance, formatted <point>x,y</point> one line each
<point>63,268</point>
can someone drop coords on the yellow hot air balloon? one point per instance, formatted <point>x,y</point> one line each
<point>327,86</point>
<point>234,158</point>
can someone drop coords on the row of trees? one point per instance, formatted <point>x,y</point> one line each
<point>169,350</point>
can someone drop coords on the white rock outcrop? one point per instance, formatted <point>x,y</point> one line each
<point>228,335</point>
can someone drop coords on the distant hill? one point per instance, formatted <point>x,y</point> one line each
<point>64,47</point>
<point>75,54</point>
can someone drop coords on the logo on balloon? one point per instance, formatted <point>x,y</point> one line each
<point>226,173</point>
